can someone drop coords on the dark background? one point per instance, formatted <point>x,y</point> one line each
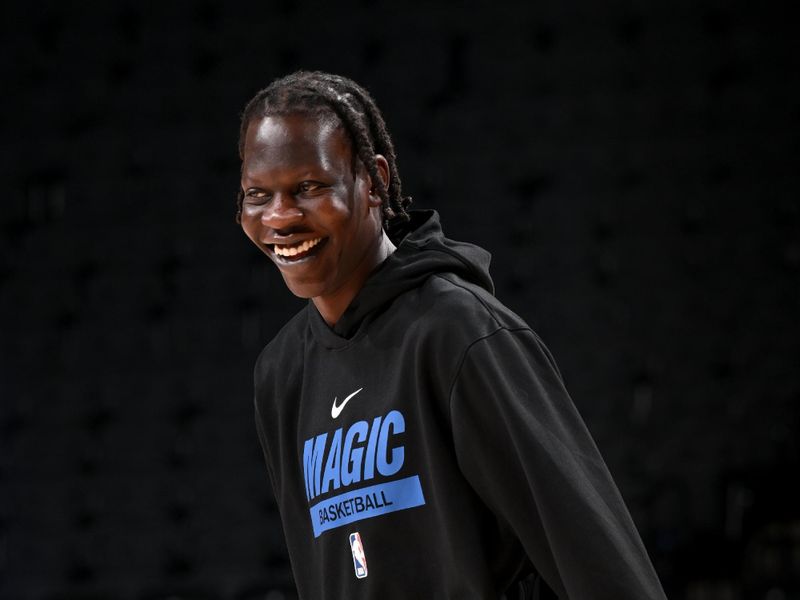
<point>632,166</point>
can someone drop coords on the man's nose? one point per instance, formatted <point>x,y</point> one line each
<point>282,212</point>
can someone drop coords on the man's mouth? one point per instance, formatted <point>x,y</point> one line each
<point>296,251</point>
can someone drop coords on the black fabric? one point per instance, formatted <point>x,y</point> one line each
<point>431,426</point>
<point>424,251</point>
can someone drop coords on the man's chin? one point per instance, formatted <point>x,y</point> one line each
<point>302,289</point>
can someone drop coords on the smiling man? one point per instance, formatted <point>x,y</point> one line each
<point>418,436</point>
<point>310,210</point>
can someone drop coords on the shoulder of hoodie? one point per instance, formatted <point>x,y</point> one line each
<point>463,314</point>
<point>457,305</point>
<point>460,300</point>
<point>455,315</point>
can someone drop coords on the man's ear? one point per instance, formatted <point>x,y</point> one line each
<point>383,168</point>
<point>383,171</point>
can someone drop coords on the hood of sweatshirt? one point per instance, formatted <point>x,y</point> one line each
<point>423,251</point>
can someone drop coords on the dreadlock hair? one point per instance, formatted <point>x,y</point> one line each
<point>322,94</point>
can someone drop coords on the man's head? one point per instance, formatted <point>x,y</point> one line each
<point>317,190</point>
<point>343,101</point>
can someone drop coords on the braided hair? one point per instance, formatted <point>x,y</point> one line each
<point>322,94</point>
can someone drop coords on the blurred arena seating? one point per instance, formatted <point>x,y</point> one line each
<point>632,167</point>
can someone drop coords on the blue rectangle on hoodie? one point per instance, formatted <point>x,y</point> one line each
<point>366,503</point>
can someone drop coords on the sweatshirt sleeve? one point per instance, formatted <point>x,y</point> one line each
<point>525,450</point>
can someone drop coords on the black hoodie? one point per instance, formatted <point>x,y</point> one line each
<point>425,447</point>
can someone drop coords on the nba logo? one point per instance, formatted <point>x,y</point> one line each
<point>359,558</point>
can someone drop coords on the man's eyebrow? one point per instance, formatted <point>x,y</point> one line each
<point>316,173</point>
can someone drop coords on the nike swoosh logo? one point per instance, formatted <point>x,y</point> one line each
<point>337,410</point>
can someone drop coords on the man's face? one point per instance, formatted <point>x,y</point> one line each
<point>303,206</point>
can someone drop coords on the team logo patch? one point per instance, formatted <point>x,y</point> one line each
<point>359,558</point>
<point>356,461</point>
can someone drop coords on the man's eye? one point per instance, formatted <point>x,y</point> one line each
<point>309,186</point>
<point>255,196</point>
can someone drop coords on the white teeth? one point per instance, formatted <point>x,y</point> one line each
<point>286,250</point>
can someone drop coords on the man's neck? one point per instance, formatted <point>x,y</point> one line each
<point>332,306</point>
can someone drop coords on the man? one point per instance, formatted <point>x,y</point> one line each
<point>417,433</point>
